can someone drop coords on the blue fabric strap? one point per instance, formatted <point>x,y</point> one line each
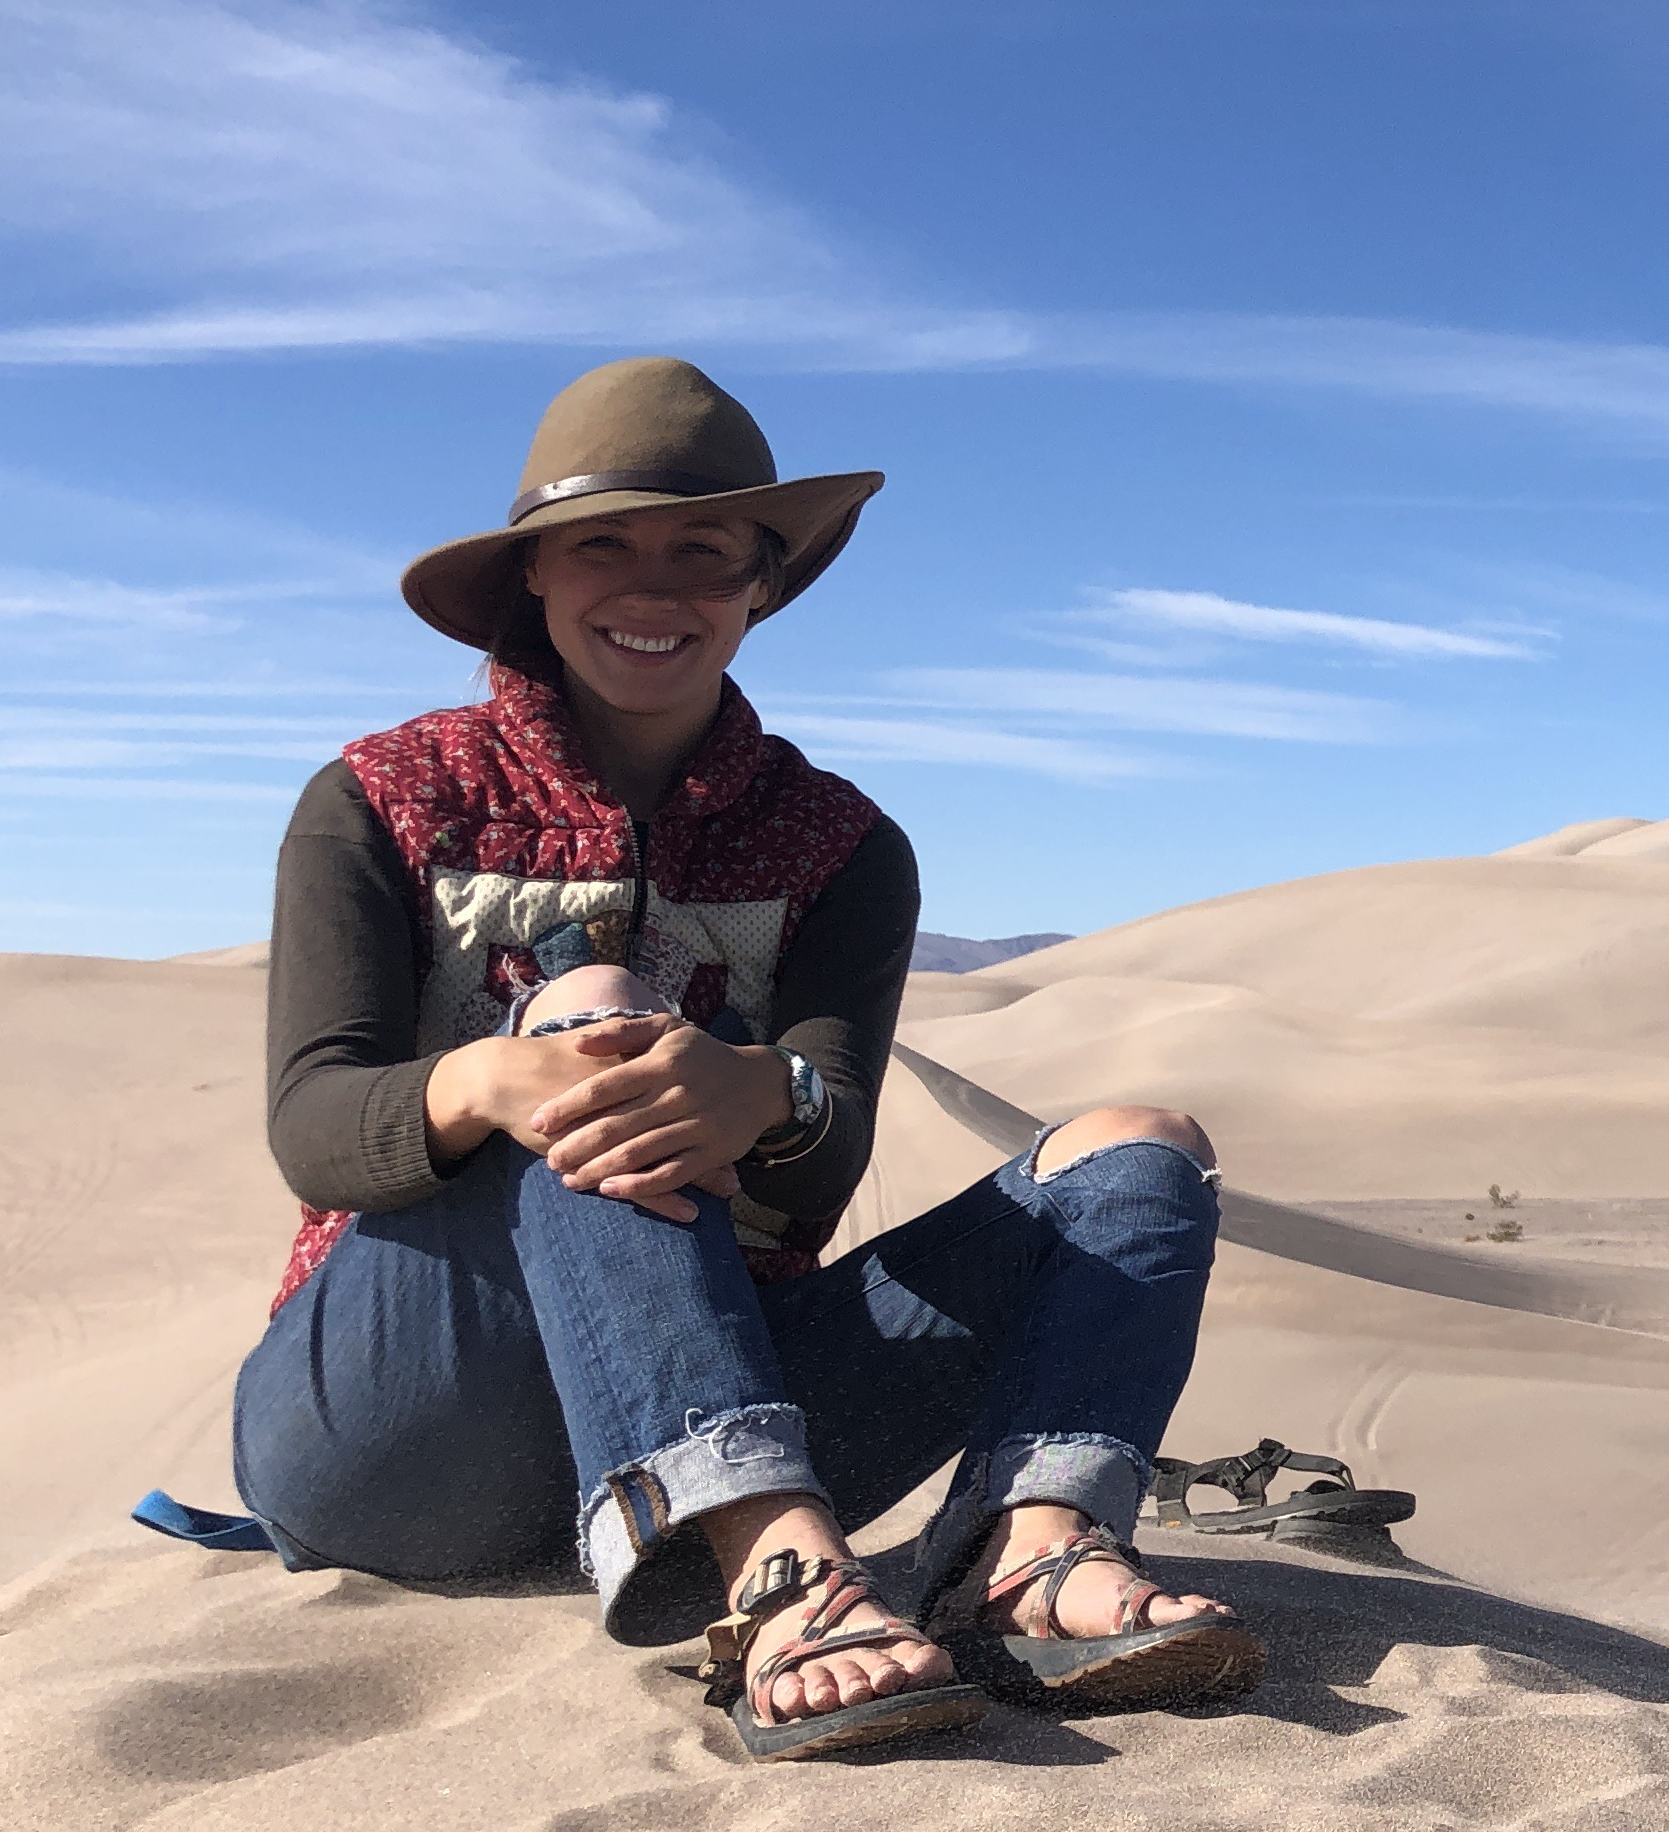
<point>213,1532</point>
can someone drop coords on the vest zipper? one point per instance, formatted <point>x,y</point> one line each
<point>640,891</point>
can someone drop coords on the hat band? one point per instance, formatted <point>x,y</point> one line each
<point>595,483</point>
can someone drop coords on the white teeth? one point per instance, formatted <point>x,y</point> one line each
<point>645,645</point>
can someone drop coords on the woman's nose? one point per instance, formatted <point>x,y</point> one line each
<point>651,592</point>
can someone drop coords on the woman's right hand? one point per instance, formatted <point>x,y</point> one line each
<point>497,1083</point>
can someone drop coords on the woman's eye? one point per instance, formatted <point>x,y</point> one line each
<point>600,543</point>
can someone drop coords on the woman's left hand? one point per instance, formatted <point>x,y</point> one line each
<point>674,1115</point>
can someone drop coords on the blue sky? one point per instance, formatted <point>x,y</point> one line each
<point>1275,402</point>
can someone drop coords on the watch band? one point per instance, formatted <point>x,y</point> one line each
<point>792,1150</point>
<point>808,1120</point>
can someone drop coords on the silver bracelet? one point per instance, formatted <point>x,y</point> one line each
<point>802,1147</point>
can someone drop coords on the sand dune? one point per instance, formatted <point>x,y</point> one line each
<point>1622,838</point>
<point>1628,1297</point>
<point>1372,1037</point>
<point>1408,1031</point>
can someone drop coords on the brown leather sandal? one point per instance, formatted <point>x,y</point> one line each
<point>784,1579</point>
<point>1201,1660</point>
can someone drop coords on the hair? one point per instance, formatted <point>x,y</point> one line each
<point>522,641</point>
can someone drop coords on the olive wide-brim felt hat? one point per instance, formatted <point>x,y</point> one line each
<point>646,433</point>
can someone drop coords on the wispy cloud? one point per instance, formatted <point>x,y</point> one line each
<point>150,789</point>
<point>1157,703</point>
<point>1059,725</point>
<point>57,595</point>
<point>299,175</point>
<point>836,737</point>
<point>1207,613</point>
<point>270,687</point>
<point>315,177</point>
<point>1622,382</point>
<point>33,738</point>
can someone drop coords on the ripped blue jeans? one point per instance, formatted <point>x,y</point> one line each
<point>427,1405</point>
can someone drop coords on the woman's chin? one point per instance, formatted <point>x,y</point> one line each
<point>646,695</point>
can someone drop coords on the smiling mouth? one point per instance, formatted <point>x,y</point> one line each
<point>645,645</point>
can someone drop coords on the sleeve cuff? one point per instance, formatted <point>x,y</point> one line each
<point>394,1137</point>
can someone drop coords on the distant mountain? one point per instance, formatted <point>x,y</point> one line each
<point>933,953</point>
<point>956,954</point>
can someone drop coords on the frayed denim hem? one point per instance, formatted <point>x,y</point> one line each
<point>1029,1169</point>
<point>1101,1476</point>
<point>1069,1467</point>
<point>723,1457</point>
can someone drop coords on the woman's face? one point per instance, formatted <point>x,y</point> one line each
<point>644,608</point>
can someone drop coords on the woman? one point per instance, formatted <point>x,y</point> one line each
<point>581,1000</point>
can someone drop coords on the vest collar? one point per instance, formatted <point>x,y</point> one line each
<point>534,715</point>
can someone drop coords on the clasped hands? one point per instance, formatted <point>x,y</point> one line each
<point>633,1108</point>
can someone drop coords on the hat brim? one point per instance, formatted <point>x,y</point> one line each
<point>468,589</point>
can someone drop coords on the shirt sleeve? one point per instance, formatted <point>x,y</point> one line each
<point>837,1004</point>
<point>345,1090</point>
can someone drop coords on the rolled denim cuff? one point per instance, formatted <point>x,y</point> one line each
<point>1100,1476</point>
<point>758,1450</point>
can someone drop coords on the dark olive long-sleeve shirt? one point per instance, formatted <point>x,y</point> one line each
<point>345,1087</point>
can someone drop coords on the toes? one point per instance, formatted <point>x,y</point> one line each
<point>852,1680</point>
<point>822,1690</point>
<point>820,1686</point>
<point>925,1665</point>
<point>1169,1610</point>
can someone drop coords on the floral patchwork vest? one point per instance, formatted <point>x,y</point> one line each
<point>525,867</point>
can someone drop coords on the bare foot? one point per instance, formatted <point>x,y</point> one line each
<point>1090,1595</point>
<point>747,1532</point>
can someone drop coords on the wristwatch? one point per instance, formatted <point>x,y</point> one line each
<point>811,1108</point>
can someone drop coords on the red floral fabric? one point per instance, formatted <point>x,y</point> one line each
<point>503,787</point>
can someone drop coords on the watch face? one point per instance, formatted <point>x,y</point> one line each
<point>815,1096</point>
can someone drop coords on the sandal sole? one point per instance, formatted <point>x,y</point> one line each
<point>907,1714</point>
<point>1354,1508</point>
<point>1156,1669</point>
<point>1202,1667</point>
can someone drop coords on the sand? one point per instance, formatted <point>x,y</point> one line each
<point>1371,1050</point>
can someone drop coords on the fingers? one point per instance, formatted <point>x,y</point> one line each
<point>622,1036</point>
<point>618,1128</point>
<point>657,1180</point>
<point>654,1148</point>
<point>660,1188</point>
<point>608,1088</point>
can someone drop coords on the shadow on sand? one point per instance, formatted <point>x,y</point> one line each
<point>1330,1628</point>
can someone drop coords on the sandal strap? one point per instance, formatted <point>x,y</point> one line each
<point>779,1581</point>
<point>1078,1549</point>
<point>1057,1562</point>
<point>1132,1604</point>
<point>1245,1477</point>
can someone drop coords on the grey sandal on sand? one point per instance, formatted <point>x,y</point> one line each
<point>784,1579</point>
<point>1203,1659</point>
<point>1332,1515</point>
